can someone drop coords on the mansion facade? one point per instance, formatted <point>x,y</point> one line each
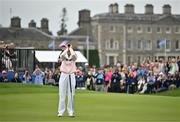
<point>132,37</point>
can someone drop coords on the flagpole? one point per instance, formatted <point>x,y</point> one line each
<point>165,50</point>
<point>10,12</point>
<point>54,50</point>
<point>87,50</point>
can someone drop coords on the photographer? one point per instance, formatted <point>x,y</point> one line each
<point>67,80</point>
<point>39,76</point>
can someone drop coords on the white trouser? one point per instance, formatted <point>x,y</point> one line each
<point>64,86</point>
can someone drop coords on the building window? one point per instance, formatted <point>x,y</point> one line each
<point>149,30</point>
<point>129,30</point>
<point>177,44</point>
<point>139,59</point>
<point>140,44</point>
<point>129,43</point>
<point>112,28</point>
<point>129,59</point>
<point>159,30</point>
<point>168,30</point>
<point>111,60</point>
<point>168,44</point>
<point>107,44</point>
<point>111,43</point>
<point>148,45</point>
<point>139,30</point>
<point>116,45</point>
<point>164,43</point>
<point>158,44</point>
<point>177,30</point>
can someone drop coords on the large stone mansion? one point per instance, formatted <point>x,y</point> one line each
<point>132,37</point>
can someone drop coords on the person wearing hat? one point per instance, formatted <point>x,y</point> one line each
<point>67,80</point>
<point>100,79</point>
<point>3,78</point>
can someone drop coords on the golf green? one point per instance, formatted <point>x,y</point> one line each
<point>19,102</point>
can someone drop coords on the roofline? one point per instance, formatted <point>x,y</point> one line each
<point>154,14</point>
<point>72,36</point>
<point>35,29</point>
<point>24,48</point>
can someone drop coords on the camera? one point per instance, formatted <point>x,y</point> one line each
<point>69,45</point>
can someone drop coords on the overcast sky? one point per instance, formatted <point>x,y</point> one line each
<point>51,9</point>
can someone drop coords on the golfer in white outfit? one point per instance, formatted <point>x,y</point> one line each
<point>67,81</point>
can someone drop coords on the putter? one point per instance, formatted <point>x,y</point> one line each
<point>71,91</point>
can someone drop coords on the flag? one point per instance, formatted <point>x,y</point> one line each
<point>87,39</point>
<point>52,44</point>
<point>63,43</point>
<point>162,42</point>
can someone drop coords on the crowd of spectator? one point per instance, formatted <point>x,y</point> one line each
<point>147,77</point>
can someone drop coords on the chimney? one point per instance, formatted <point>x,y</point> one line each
<point>149,9</point>
<point>32,24</point>
<point>111,8</point>
<point>129,9</point>
<point>166,9</point>
<point>84,18</point>
<point>115,8</point>
<point>44,24</point>
<point>16,22</point>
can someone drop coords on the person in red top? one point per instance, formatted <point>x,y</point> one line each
<point>67,80</point>
<point>108,75</point>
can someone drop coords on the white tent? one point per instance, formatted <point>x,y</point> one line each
<point>52,56</point>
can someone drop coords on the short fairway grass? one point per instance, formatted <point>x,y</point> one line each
<point>21,103</point>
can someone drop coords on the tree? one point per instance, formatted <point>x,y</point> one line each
<point>63,25</point>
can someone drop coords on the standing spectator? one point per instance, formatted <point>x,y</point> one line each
<point>108,75</point>
<point>4,78</point>
<point>141,71</point>
<point>156,69</point>
<point>151,82</point>
<point>6,59</point>
<point>100,78</point>
<point>85,69</point>
<point>123,74</point>
<point>39,76</point>
<point>131,83</point>
<point>16,78</point>
<point>167,67</point>
<point>80,84</point>
<point>90,80</point>
<point>94,69</point>
<point>46,72</point>
<point>49,78</point>
<point>173,67</point>
<point>26,77</point>
<point>161,66</point>
<point>115,81</point>
<point>56,76</point>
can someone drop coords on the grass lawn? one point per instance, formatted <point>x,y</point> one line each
<point>19,102</point>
